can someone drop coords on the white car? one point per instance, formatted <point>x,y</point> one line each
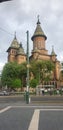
<point>2,93</point>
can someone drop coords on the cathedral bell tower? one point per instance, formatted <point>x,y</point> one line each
<point>39,38</point>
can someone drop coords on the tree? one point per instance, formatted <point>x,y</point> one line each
<point>16,83</point>
<point>23,73</point>
<point>42,70</point>
<point>33,83</point>
<point>13,71</point>
<point>9,73</point>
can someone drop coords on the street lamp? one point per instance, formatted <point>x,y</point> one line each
<point>27,89</point>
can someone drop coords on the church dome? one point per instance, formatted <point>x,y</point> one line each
<point>38,31</point>
<point>53,52</point>
<point>20,50</point>
<point>15,43</point>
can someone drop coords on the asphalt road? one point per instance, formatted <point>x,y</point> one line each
<point>16,119</point>
<point>31,118</point>
<point>47,99</point>
<point>34,99</point>
<point>51,120</point>
<point>43,113</point>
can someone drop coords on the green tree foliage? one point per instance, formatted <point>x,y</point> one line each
<point>9,73</point>
<point>33,83</point>
<point>42,70</point>
<point>23,73</point>
<point>16,83</point>
<point>12,71</point>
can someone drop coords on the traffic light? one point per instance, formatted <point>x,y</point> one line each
<point>4,0</point>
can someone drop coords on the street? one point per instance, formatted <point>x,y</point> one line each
<point>33,99</point>
<point>15,114</point>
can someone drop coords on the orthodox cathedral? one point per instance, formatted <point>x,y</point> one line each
<point>39,52</point>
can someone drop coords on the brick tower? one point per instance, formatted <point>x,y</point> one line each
<point>16,52</point>
<point>39,41</point>
<point>39,51</point>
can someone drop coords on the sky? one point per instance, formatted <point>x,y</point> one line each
<point>21,15</point>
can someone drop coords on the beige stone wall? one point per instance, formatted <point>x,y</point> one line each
<point>11,55</point>
<point>40,56</point>
<point>57,68</point>
<point>43,57</point>
<point>43,52</point>
<point>11,58</point>
<point>20,59</point>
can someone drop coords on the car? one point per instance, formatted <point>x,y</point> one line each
<point>1,94</point>
<point>4,93</point>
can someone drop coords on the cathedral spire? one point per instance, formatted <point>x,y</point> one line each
<point>38,22</point>
<point>38,31</point>
<point>53,52</point>
<point>15,35</point>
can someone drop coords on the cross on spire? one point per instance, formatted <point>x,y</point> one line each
<point>15,35</point>
<point>38,19</point>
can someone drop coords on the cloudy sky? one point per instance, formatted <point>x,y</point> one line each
<point>21,15</point>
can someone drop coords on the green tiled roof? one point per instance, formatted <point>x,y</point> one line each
<point>20,50</point>
<point>39,31</point>
<point>53,53</point>
<point>15,43</point>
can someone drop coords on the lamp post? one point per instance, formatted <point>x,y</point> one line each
<point>27,89</point>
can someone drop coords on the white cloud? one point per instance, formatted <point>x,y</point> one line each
<point>21,15</point>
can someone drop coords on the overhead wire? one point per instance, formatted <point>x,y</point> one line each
<point>6,31</point>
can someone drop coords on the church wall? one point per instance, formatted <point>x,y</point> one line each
<point>11,58</point>
<point>39,43</point>
<point>44,57</point>
<point>57,68</point>
<point>20,59</point>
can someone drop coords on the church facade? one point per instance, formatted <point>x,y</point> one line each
<point>39,52</point>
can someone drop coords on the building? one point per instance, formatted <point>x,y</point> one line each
<point>61,75</point>
<point>39,52</point>
<point>16,52</point>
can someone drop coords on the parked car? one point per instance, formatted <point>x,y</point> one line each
<point>4,93</point>
<point>1,94</point>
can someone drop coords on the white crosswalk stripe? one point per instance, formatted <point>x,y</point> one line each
<point>5,109</point>
<point>35,121</point>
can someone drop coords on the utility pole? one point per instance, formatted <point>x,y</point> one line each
<point>27,89</point>
<point>27,60</point>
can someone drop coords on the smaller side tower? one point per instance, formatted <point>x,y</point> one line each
<point>16,52</point>
<point>12,50</point>
<point>20,56</point>
<point>57,67</point>
<point>53,55</point>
